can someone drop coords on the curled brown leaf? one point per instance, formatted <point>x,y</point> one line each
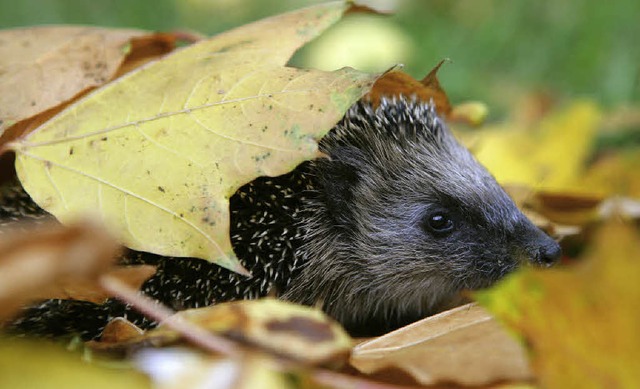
<point>35,260</point>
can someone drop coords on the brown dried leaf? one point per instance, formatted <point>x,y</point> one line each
<point>396,83</point>
<point>27,125</point>
<point>567,208</point>
<point>41,67</point>
<point>464,345</point>
<point>37,259</point>
<point>120,330</point>
<point>363,9</point>
<point>160,313</point>
<point>90,289</point>
<point>526,199</point>
<point>150,47</point>
<point>141,50</point>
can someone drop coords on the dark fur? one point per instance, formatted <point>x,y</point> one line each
<point>348,232</point>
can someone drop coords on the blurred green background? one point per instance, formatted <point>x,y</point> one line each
<point>500,50</point>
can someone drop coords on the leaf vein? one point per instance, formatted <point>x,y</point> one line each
<point>242,141</point>
<point>55,187</point>
<point>239,82</point>
<point>127,221</point>
<point>24,142</point>
<point>160,145</point>
<point>133,195</point>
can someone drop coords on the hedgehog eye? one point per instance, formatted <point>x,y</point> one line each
<point>439,223</point>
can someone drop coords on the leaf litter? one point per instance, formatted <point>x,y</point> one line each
<point>41,67</point>
<point>38,262</point>
<point>167,145</point>
<point>579,323</point>
<point>552,195</point>
<point>464,345</point>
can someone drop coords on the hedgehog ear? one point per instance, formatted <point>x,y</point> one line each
<point>340,175</point>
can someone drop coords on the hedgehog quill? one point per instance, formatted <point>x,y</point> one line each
<point>390,227</point>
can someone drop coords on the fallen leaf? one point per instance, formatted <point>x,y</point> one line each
<point>135,52</point>
<point>296,332</point>
<point>89,289</point>
<point>617,172</point>
<point>614,175</point>
<point>551,156</point>
<point>472,113</point>
<point>158,152</point>
<point>29,364</point>
<point>581,322</point>
<point>327,379</point>
<point>152,309</point>
<point>569,208</point>
<point>41,67</point>
<point>120,330</point>
<point>32,261</point>
<point>395,83</point>
<point>464,345</point>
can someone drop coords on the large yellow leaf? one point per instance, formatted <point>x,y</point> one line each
<point>581,323</point>
<point>158,153</point>
<point>551,157</point>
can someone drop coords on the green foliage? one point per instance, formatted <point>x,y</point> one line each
<point>576,47</point>
<point>500,49</point>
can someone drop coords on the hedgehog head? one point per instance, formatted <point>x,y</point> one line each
<point>404,218</point>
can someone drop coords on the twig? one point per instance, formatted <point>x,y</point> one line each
<point>161,313</point>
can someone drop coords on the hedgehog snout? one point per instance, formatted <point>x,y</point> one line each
<point>543,250</point>
<point>548,253</point>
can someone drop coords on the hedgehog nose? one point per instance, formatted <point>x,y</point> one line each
<point>549,253</point>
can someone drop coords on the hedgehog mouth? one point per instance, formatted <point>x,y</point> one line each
<point>485,272</point>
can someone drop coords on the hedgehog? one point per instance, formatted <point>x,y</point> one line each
<point>389,227</point>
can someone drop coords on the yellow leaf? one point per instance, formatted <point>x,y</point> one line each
<point>297,332</point>
<point>397,83</point>
<point>581,323</point>
<point>616,172</point>
<point>473,113</point>
<point>158,152</point>
<point>43,365</point>
<point>551,157</point>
